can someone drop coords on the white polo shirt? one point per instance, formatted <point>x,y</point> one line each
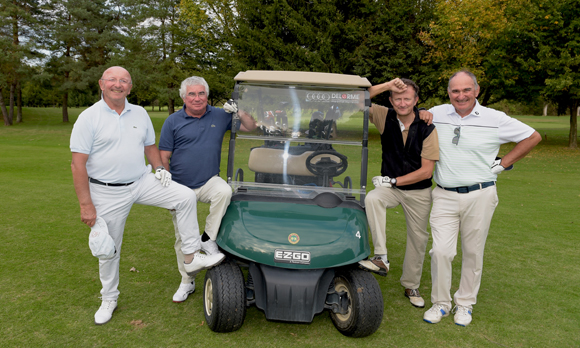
<point>480,135</point>
<point>115,144</point>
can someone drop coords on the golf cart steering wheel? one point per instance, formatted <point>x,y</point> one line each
<point>326,166</point>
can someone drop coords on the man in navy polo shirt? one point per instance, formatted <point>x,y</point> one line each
<point>190,146</point>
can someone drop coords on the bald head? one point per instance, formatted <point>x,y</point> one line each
<point>116,86</point>
<point>114,70</point>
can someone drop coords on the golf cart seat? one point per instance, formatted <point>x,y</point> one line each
<point>268,160</point>
<point>271,165</point>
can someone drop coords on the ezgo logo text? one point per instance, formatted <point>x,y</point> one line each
<point>292,256</point>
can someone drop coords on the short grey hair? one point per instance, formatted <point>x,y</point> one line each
<point>193,81</point>
<point>464,71</point>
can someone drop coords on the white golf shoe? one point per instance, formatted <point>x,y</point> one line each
<point>462,315</point>
<point>183,292</point>
<point>415,298</point>
<point>210,247</point>
<point>201,261</point>
<point>436,313</point>
<point>105,312</point>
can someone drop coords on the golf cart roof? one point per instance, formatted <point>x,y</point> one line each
<point>302,78</point>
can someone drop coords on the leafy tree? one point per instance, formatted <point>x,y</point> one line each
<point>466,35</point>
<point>18,37</point>
<point>391,46</point>
<point>83,36</point>
<point>297,35</point>
<point>374,39</point>
<point>558,27</point>
<point>159,43</point>
<point>214,25</point>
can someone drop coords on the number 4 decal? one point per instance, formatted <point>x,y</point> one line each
<point>358,234</point>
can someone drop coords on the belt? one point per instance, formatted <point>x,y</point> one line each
<point>467,189</point>
<point>95,181</point>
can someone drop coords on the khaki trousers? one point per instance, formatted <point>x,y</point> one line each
<point>218,194</point>
<point>416,205</point>
<point>468,213</point>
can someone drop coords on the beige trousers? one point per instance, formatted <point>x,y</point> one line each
<point>218,194</point>
<point>468,213</point>
<point>416,205</point>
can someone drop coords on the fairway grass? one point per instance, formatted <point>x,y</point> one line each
<point>49,283</point>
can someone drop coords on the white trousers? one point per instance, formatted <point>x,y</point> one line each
<point>113,204</point>
<point>452,213</point>
<point>416,205</point>
<point>218,194</point>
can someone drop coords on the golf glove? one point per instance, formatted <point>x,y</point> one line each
<point>231,107</point>
<point>496,167</point>
<point>382,181</point>
<point>162,174</point>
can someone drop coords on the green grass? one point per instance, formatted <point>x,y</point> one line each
<point>49,288</point>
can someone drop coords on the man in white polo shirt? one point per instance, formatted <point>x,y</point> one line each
<point>465,198</point>
<point>108,144</point>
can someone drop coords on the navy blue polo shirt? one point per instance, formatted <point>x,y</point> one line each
<point>196,144</point>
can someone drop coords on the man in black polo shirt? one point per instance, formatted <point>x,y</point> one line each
<point>410,148</point>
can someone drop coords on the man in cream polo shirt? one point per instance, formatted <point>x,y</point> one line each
<point>465,198</point>
<point>108,144</point>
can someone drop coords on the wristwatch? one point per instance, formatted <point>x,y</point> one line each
<point>393,181</point>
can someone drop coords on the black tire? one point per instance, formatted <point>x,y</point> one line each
<point>224,297</point>
<point>365,303</point>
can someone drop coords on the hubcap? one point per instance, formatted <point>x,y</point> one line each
<point>208,296</point>
<point>341,287</point>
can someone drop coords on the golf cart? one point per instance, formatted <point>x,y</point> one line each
<point>296,226</point>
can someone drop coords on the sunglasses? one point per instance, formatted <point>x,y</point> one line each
<point>457,132</point>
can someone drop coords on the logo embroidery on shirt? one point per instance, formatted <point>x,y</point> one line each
<point>213,125</point>
<point>134,126</point>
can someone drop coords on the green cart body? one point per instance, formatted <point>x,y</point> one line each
<point>296,226</point>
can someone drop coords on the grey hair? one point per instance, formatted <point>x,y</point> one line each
<point>193,81</point>
<point>464,71</point>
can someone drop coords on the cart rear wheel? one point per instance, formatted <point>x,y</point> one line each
<point>365,303</point>
<point>224,299</point>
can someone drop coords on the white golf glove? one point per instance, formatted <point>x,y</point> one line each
<point>231,107</point>
<point>382,181</point>
<point>496,167</point>
<point>162,174</point>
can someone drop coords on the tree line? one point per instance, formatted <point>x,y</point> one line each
<point>53,51</point>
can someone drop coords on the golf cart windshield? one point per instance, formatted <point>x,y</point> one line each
<point>311,135</point>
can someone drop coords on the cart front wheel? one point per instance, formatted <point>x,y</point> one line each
<point>365,303</point>
<point>224,300</point>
